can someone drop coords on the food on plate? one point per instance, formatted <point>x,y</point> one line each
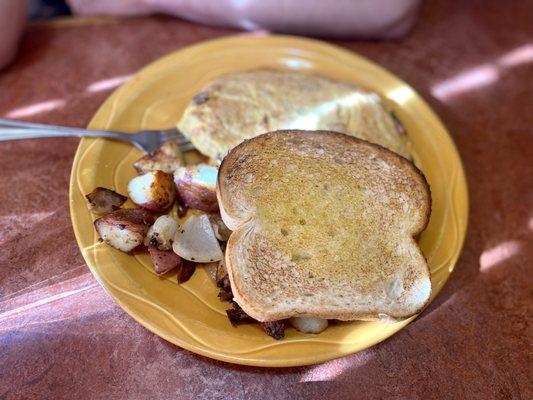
<point>161,234</point>
<point>211,270</point>
<point>196,187</point>
<point>103,201</point>
<point>276,329</point>
<point>163,260</point>
<point>128,229</point>
<point>239,106</point>
<point>319,225</point>
<point>323,226</point>
<point>237,316</point>
<point>185,270</point>
<point>124,229</point>
<point>222,282</point>
<point>309,324</point>
<point>167,158</point>
<point>222,232</point>
<point>196,240</point>
<point>153,191</point>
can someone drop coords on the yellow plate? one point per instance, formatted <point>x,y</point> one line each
<point>190,315</point>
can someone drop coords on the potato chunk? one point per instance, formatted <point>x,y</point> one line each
<point>196,187</point>
<point>167,158</point>
<point>154,191</point>
<point>161,233</point>
<point>103,201</point>
<point>124,229</point>
<point>196,241</point>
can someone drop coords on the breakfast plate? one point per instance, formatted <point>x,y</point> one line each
<point>190,315</point>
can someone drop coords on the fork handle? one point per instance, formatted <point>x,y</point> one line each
<point>13,130</point>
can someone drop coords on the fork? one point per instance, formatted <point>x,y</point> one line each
<point>146,140</point>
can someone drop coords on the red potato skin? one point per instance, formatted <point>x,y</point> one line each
<point>163,191</point>
<point>195,196</point>
<point>166,260</point>
<point>163,260</point>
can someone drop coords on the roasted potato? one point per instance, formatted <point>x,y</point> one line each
<point>222,232</point>
<point>167,159</point>
<point>163,260</point>
<point>221,274</point>
<point>154,191</point>
<point>276,329</point>
<point>103,201</point>
<point>309,324</point>
<point>222,281</point>
<point>161,233</point>
<point>124,229</point>
<point>196,187</point>
<point>166,260</point>
<point>196,241</point>
<point>237,316</point>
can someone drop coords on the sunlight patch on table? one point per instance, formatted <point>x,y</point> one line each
<point>518,56</point>
<point>36,108</point>
<point>483,75</point>
<point>107,84</point>
<point>495,255</point>
<point>333,370</point>
<point>468,80</point>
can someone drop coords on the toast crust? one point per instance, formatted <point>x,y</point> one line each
<point>324,226</point>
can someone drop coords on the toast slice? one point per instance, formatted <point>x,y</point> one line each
<point>324,226</point>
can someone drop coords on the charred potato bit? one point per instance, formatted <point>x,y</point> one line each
<point>276,329</point>
<point>221,273</point>
<point>154,191</point>
<point>237,316</point>
<point>196,187</point>
<point>163,260</point>
<point>225,294</point>
<point>185,270</point>
<point>124,229</point>
<point>223,283</point>
<point>103,201</point>
<point>167,158</point>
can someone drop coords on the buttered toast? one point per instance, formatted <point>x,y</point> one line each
<point>324,225</point>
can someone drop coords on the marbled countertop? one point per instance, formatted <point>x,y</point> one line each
<point>61,335</point>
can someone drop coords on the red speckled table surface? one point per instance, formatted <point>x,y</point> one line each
<point>61,336</point>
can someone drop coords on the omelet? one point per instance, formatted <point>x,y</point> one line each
<point>240,106</point>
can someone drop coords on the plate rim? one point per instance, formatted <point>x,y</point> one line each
<point>282,362</point>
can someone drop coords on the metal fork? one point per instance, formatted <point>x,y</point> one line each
<point>145,141</point>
